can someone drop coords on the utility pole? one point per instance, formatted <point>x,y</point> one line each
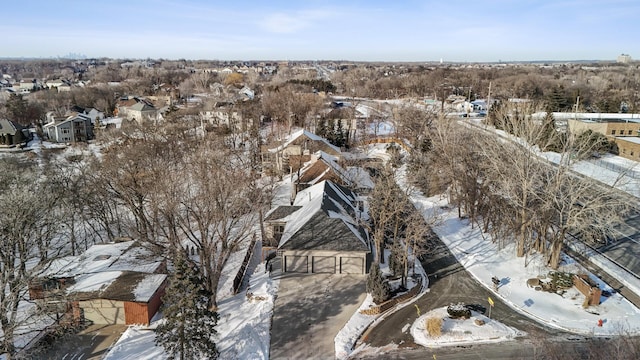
<point>489,100</point>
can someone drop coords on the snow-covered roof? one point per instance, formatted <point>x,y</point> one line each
<point>117,285</point>
<point>360,177</point>
<point>325,221</point>
<point>120,256</point>
<point>330,162</point>
<point>93,282</point>
<point>311,136</point>
<point>148,286</point>
<point>635,140</point>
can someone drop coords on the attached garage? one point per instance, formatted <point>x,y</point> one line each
<point>324,264</point>
<point>322,234</point>
<point>118,297</point>
<point>295,263</point>
<point>351,265</point>
<point>103,311</point>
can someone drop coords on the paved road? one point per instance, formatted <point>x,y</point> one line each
<point>309,312</point>
<point>625,247</point>
<point>450,283</point>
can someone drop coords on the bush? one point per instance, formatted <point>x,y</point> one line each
<point>458,311</point>
<point>377,286</point>
<point>434,326</point>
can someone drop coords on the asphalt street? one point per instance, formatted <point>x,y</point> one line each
<point>450,283</point>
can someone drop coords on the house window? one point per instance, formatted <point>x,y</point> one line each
<point>631,153</point>
<point>613,132</point>
<point>65,131</point>
<point>277,232</point>
<point>629,132</point>
<point>621,132</point>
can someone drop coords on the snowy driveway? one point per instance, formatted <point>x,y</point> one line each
<point>91,343</point>
<point>310,310</point>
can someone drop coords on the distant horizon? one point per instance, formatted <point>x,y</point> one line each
<point>464,31</point>
<point>500,61</point>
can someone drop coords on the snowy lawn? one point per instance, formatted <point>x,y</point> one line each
<point>243,328</point>
<point>461,331</point>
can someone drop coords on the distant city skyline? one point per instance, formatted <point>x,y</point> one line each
<point>375,30</point>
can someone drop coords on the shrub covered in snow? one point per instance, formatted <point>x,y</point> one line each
<point>458,311</point>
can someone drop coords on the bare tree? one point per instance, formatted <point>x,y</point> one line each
<point>29,229</point>
<point>220,203</point>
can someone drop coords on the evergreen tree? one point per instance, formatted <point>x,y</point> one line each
<point>338,134</point>
<point>321,129</point>
<point>377,286</point>
<point>189,323</point>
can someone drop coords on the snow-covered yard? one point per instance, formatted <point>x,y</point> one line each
<point>484,260</point>
<point>461,331</point>
<point>243,327</point>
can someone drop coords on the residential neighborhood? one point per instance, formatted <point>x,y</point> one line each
<point>273,188</point>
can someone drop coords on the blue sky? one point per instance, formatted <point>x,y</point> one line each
<point>374,30</point>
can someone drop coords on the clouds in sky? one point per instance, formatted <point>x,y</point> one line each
<point>408,30</point>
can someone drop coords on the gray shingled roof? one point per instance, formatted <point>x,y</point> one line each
<point>326,221</point>
<point>281,212</point>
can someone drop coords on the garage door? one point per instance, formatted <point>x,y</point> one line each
<point>103,311</point>
<point>296,264</point>
<point>351,265</point>
<point>324,264</point>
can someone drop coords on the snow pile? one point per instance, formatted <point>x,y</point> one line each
<point>383,128</point>
<point>352,330</point>
<point>461,331</point>
<point>137,343</point>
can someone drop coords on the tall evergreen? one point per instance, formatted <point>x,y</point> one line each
<point>189,323</point>
<point>377,286</point>
<point>321,129</point>
<point>338,134</point>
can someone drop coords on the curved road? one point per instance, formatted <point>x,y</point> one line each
<point>450,283</point>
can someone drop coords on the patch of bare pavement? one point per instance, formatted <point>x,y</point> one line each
<point>91,343</point>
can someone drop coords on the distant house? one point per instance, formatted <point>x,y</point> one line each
<point>115,283</point>
<point>246,93</point>
<point>297,150</point>
<point>73,128</point>
<point>321,232</point>
<point>13,134</point>
<point>138,109</point>
<point>323,166</point>
<point>91,113</point>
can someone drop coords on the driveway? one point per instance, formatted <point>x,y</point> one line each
<point>309,312</point>
<point>91,343</point>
